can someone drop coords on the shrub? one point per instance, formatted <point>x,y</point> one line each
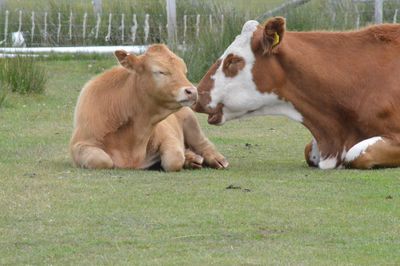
<point>23,75</point>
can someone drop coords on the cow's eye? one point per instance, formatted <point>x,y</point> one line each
<point>163,73</point>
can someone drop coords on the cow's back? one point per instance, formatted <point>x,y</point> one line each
<point>353,75</point>
<point>103,103</point>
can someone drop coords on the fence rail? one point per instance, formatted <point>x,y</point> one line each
<point>44,28</point>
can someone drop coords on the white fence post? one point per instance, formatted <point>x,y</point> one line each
<point>97,6</point>
<point>358,18</point>
<point>184,28</point>
<point>378,11</point>
<point>171,21</point>
<point>20,21</point>
<point>84,26</point>
<point>395,16</point>
<point>45,35</point>
<point>70,26</point>
<point>197,25</point>
<point>134,28</point>
<point>108,36</point>
<point>33,26</point>
<point>123,27</point>
<point>5,28</point>
<point>146,28</point>
<point>97,26</point>
<point>58,28</point>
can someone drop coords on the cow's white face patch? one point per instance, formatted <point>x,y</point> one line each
<point>239,93</point>
<point>360,148</point>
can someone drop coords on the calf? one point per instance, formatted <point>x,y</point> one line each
<point>343,86</point>
<point>132,117</point>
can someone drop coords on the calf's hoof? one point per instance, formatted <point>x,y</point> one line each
<point>216,160</point>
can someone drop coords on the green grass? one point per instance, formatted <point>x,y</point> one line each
<point>283,213</point>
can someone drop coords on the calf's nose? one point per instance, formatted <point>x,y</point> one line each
<point>191,93</point>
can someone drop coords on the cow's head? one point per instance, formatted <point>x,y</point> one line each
<point>162,75</point>
<point>244,80</point>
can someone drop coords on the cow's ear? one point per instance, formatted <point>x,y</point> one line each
<point>127,60</point>
<point>274,30</point>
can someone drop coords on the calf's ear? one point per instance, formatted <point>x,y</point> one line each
<point>274,30</point>
<point>127,60</point>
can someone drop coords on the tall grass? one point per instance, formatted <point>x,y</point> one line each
<point>202,52</point>
<point>3,94</point>
<point>23,75</point>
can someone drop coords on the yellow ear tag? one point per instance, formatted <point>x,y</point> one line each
<point>276,39</point>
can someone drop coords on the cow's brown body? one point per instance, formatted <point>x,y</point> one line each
<point>343,86</point>
<point>131,117</point>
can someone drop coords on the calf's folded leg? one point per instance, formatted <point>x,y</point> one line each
<point>199,143</point>
<point>172,155</point>
<point>193,160</point>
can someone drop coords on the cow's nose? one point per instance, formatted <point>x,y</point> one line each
<point>191,93</point>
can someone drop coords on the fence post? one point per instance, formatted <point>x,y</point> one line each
<point>146,27</point>
<point>97,6</point>
<point>184,28</point>
<point>108,36</point>
<point>33,27</point>
<point>123,27</point>
<point>134,28</point>
<point>378,11</point>
<point>70,26</point>
<point>98,21</point>
<point>197,25</point>
<point>171,21</point>
<point>84,26</point>
<point>58,28</point>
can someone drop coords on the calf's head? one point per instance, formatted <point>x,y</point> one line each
<point>244,79</point>
<point>161,75</point>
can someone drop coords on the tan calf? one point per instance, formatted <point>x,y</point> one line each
<point>132,117</point>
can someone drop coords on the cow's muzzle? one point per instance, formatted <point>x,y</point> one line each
<point>215,116</point>
<point>189,96</point>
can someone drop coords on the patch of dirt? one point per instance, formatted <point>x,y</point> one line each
<point>31,175</point>
<point>231,186</point>
<point>266,232</point>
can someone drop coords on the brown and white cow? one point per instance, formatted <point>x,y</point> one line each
<point>132,117</point>
<point>343,86</point>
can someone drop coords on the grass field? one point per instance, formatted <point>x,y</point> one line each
<point>267,208</point>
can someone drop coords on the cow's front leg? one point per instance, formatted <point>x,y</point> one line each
<point>312,154</point>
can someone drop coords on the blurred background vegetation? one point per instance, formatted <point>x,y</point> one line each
<point>73,23</point>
